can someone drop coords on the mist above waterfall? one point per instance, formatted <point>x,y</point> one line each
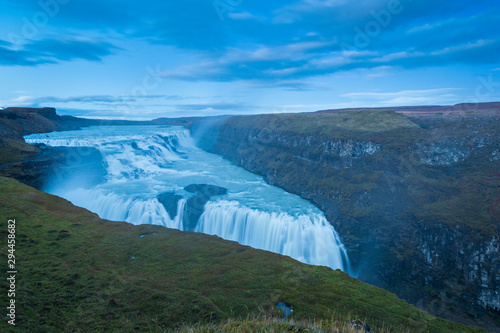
<point>156,175</point>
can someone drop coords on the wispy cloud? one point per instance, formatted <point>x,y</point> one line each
<point>244,16</point>
<point>230,108</point>
<point>52,50</point>
<point>89,99</point>
<point>149,106</point>
<point>407,97</point>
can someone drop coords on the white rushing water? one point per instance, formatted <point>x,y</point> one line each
<point>143,162</point>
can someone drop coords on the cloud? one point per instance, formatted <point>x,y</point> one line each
<point>22,100</point>
<point>290,85</point>
<point>386,95</point>
<point>93,100</point>
<point>278,38</point>
<point>101,99</point>
<point>67,49</point>
<point>243,16</point>
<point>309,59</point>
<point>52,50</point>
<point>282,45</point>
<point>407,97</point>
<point>314,45</point>
<point>214,106</point>
<point>9,57</point>
<point>145,107</point>
<point>97,113</point>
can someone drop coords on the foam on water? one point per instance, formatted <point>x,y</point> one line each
<point>145,161</point>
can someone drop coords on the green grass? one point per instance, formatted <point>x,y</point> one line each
<point>15,150</point>
<point>76,273</point>
<point>327,124</point>
<point>277,324</point>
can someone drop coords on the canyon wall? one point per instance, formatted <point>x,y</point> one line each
<point>415,200</point>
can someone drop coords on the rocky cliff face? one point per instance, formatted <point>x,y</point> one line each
<point>34,165</point>
<point>417,206</point>
<point>475,261</point>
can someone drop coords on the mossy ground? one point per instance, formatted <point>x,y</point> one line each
<point>79,273</point>
<point>15,150</point>
<point>330,125</point>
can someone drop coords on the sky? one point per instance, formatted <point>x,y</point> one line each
<point>148,59</point>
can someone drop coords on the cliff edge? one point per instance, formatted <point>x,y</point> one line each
<point>415,200</point>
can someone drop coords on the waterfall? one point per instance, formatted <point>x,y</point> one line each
<point>145,162</point>
<point>310,239</point>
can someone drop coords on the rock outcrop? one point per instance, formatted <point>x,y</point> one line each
<point>34,165</point>
<point>196,204</point>
<point>169,200</point>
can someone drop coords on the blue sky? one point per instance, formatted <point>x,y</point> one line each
<point>148,59</point>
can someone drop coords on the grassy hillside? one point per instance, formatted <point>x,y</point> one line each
<point>331,125</point>
<point>16,122</point>
<point>77,272</point>
<point>378,126</point>
<point>12,150</point>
